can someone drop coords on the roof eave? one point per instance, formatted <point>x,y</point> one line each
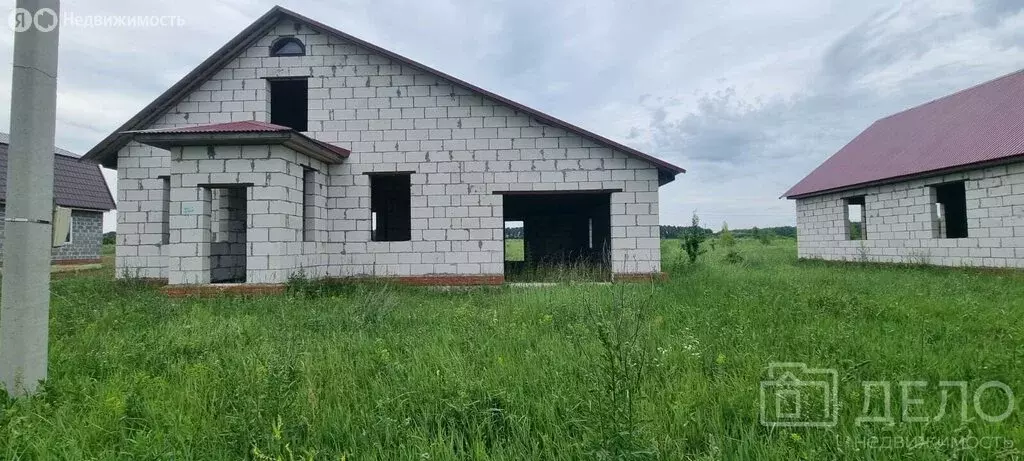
<point>289,139</point>
<point>909,177</point>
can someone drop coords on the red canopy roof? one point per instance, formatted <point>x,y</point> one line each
<point>977,125</point>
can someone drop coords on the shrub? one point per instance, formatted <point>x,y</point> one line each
<point>729,242</point>
<point>693,237</point>
<point>763,235</point>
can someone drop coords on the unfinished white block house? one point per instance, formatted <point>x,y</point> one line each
<point>299,149</point>
<point>941,183</point>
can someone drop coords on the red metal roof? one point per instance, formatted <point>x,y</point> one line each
<point>978,125</point>
<point>248,126</point>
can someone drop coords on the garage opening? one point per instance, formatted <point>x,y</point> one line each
<point>564,235</point>
<point>228,234</point>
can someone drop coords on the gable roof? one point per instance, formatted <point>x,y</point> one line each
<point>76,184</point>
<point>980,125</point>
<point>106,151</point>
<point>244,132</point>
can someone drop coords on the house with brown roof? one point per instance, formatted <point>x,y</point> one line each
<point>79,186</point>
<point>941,183</point>
<point>297,149</point>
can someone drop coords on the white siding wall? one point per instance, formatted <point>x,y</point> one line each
<point>461,146</point>
<point>899,222</point>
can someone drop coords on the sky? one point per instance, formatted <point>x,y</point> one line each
<point>749,96</point>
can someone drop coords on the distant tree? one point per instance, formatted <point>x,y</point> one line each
<point>729,242</point>
<point>693,238</point>
<point>514,232</point>
<point>726,237</point>
<point>763,235</point>
<point>679,232</point>
<point>110,238</point>
<point>855,231</point>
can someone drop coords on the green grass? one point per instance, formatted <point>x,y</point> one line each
<point>662,371</point>
<point>514,250</point>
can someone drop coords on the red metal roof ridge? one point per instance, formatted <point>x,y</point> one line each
<point>951,95</point>
<point>972,127</point>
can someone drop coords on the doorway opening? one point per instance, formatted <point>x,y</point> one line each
<point>228,234</point>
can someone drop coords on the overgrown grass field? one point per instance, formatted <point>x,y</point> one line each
<point>670,370</point>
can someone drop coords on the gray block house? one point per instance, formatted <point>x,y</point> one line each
<point>299,149</point>
<point>79,186</point>
<point>941,183</point>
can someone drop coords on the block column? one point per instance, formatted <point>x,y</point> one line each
<point>191,234</point>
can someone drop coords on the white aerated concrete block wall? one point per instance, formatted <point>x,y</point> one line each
<point>900,222</point>
<point>460,147</point>
<point>274,179</point>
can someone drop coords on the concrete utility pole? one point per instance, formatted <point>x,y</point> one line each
<point>25,309</point>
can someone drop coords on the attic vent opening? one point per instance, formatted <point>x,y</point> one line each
<point>287,46</point>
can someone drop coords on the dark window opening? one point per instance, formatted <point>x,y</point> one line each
<point>289,103</point>
<point>165,218</point>
<point>390,207</point>
<point>856,218</point>
<point>287,46</point>
<point>308,205</point>
<point>950,210</point>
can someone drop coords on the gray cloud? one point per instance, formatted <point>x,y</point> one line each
<point>892,60</point>
<point>991,12</point>
<point>748,96</point>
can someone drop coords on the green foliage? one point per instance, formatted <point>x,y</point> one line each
<point>693,237</point>
<point>678,232</point>
<point>110,238</point>
<point>728,241</point>
<point>669,370</point>
<point>726,237</point>
<point>765,236</point>
<point>855,231</point>
<point>617,375</point>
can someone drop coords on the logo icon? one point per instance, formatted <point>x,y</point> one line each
<point>798,396</point>
<point>21,19</point>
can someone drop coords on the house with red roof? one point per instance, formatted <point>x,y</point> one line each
<point>78,186</point>
<point>941,183</point>
<point>299,150</point>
